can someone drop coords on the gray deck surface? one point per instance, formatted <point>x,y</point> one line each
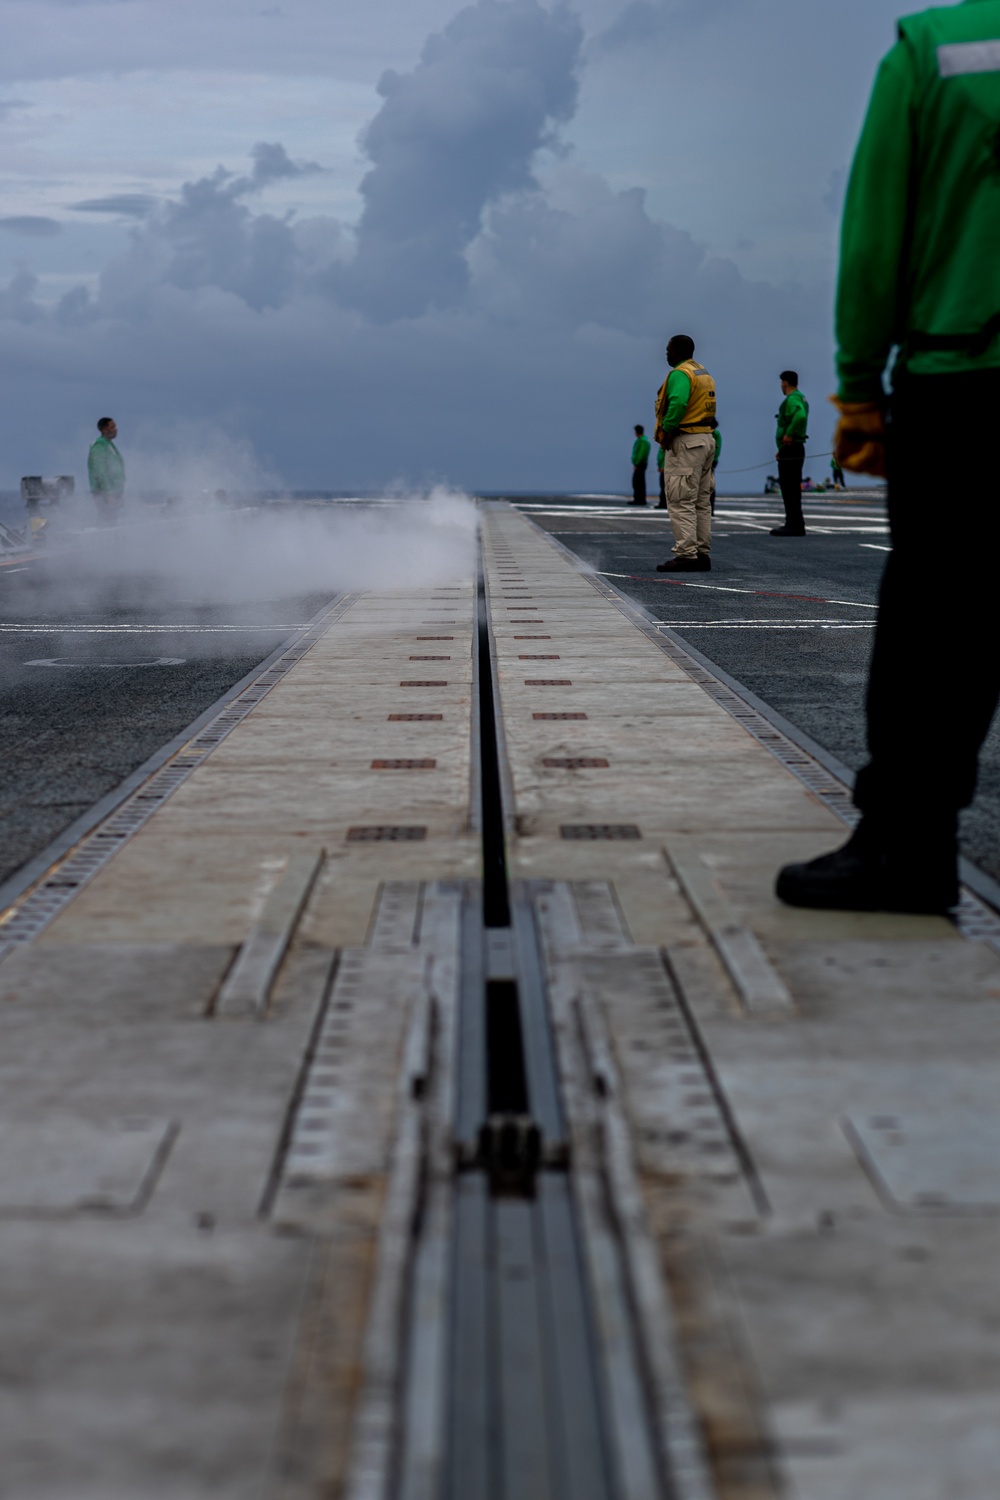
<point>764,636</point>
<point>784,1123</point>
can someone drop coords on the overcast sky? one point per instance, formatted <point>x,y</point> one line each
<point>403,241</point>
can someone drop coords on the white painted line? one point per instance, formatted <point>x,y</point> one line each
<point>56,629</point>
<point>874,547</point>
<point>769,625</point>
<point>718,588</point>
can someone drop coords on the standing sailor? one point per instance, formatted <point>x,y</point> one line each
<point>640,458</point>
<point>791,438</point>
<point>920,270</point>
<point>685,420</point>
<point>106,472</point>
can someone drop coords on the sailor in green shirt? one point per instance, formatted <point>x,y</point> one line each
<point>790,439</point>
<point>919,287</point>
<point>106,472</point>
<point>640,458</point>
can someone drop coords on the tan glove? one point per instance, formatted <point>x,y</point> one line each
<point>859,442</point>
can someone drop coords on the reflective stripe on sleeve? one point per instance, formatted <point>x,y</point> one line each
<point>958,58</point>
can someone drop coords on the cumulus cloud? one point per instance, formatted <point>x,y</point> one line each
<point>453,135</point>
<point>271,163</point>
<point>496,317</point>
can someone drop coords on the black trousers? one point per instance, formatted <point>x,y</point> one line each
<point>639,483</point>
<point>934,679</point>
<point>790,462</point>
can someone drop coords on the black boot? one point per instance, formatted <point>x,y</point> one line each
<point>788,531</point>
<point>678,565</point>
<point>873,872</point>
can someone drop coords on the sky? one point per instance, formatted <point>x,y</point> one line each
<point>406,242</point>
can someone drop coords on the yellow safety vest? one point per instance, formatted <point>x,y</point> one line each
<point>700,412</point>
<point>701,407</point>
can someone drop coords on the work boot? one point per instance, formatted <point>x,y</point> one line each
<point>661,505</point>
<point>678,565</point>
<point>871,875</point>
<point>787,531</point>
<point>637,502</point>
<point>703,563</point>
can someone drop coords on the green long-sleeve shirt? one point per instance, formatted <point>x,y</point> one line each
<point>640,451</point>
<point>793,419</point>
<point>921,230</point>
<point>678,397</point>
<point>718,447</point>
<point>105,468</point>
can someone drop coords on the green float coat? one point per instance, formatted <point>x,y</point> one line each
<point>920,247</point>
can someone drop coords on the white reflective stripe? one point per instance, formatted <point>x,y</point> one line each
<point>957,58</point>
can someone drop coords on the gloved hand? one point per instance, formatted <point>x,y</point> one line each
<point>859,442</point>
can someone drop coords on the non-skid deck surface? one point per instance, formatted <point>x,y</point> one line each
<point>811,1096</point>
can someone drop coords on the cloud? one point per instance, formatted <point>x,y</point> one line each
<point>126,205</point>
<point>454,134</point>
<point>496,318</point>
<point>642,22</point>
<point>271,162</point>
<point>35,226</point>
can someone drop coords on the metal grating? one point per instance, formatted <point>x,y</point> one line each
<point>599,831</point>
<point>423,683</point>
<point>548,682</point>
<point>386,833</point>
<point>401,763</point>
<point>575,762</point>
<point>414,718</point>
<point>559,716</point>
<point>38,906</point>
<point>532,638</point>
<point>430,658</point>
<point>549,656</point>
<point>435,637</point>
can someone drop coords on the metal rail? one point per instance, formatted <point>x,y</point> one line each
<point>538,1352</point>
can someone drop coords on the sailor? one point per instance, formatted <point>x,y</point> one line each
<point>685,419</point>
<point>640,458</point>
<point>791,438</point>
<point>661,456</point>
<point>106,472</point>
<point>920,270</point>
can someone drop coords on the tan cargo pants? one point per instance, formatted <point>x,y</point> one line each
<point>687,477</point>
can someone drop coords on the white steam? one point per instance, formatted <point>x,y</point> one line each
<point>222,549</point>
